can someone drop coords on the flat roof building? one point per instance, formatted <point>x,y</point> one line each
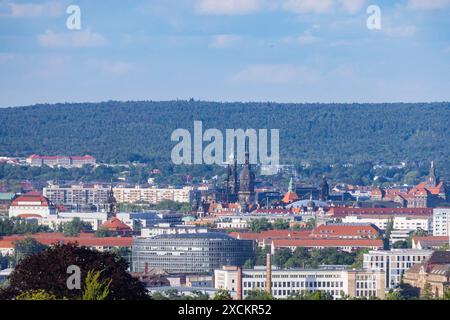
<point>190,253</point>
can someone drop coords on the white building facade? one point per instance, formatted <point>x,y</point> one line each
<point>394,263</point>
<point>441,221</point>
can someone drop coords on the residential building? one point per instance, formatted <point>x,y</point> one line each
<point>154,195</point>
<point>61,161</point>
<point>441,221</point>
<point>77,195</point>
<point>346,231</point>
<point>189,253</point>
<point>401,222</point>
<point>430,242</point>
<point>394,263</point>
<point>348,245</point>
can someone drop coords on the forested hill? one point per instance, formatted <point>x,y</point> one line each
<point>122,131</point>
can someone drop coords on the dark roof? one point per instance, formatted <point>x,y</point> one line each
<point>440,257</point>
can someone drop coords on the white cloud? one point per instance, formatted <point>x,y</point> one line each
<point>276,74</point>
<point>428,4</point>
<point>227,7</point>
<point>352,6</point>
<point>305,6</point>
<point>401,32</point>
<point>224,41</point>
<point>72,39</point>
<point>27,10</point>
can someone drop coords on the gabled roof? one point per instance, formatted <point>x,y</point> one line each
<point>31,197</point>
<point>116,224</point>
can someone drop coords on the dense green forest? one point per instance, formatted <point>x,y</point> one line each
<point>117,132</point>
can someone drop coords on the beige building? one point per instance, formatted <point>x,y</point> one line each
<point>434,272</point>
<point>153,195</point>
<point>337,281</point>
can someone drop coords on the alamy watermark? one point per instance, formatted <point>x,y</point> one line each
<point>192,149</point>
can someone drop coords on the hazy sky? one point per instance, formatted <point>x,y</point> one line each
<point>224,50</point>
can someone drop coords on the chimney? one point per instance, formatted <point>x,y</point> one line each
<point>239,284</point>
<point>269,273</point>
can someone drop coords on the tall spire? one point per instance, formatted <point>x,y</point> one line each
<point>432,178</point>
<point>247,152</point>
<point>291,185</point>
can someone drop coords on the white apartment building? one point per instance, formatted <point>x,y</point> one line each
<point>441,221</point>
<point>394,263</point>
<point>77,195</point>
<point>403,222</point>
<point>337,281</point>
<point>153,195</point>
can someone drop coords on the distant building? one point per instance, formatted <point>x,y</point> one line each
<point>6,199</point>
<point>430,242</point>
<point>348,245</point>
<point>32,205</point>
<point>281,283</point>
<point>77,195</point>
<point>189,253</point>
<point>61,161</point>
<point>346,231</point>
<point>441,221</point>
<point>433,272</point>
<point>394,263</point>
<point>166,229</point>
<point>154,195</point>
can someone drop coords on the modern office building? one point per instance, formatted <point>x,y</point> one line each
<point>189,253</point>
<point>394,263</point>
<point>336,280</point>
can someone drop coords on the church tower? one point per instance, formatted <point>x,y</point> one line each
<point>433,180</point>
<point>246,182</point>
<point>111,207</point>
<point>324,190</point>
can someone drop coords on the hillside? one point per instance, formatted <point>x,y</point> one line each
<point>328,133</point>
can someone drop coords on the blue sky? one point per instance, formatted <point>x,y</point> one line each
<point>224,50</point>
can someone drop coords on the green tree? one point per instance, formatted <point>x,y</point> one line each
<point>394,295</point>
<point>32,273</point>
<point>94,289</point>
<point>427,292</point>
<point>316,295</point>
<point>36,295</point>
<point>281,225</point>
<point>222,294</point>
<point>74,227</point>
<point>281,256</point>
<point>104,233</point>
<point>258,225</point>
<point>26,247</point>
<point>257,294</point>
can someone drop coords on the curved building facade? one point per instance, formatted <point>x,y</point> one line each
<point>190,253</point>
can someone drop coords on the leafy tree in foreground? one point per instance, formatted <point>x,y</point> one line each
<point>33,273</point>
<point>222,294</point>
<point>94,288</point>
<point>36,295</point>
<point>258,294</point>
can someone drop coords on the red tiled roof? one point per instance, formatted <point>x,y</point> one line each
<point>31,197</point>
<point>270,234</point>
<point>83,240</point>
<point>6,244</point>
<point>332,243</point>
<point>330,231</point>
<point>115,224</point>
<point>289,197</point>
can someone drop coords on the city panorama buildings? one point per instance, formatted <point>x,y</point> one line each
<point>190,253</point>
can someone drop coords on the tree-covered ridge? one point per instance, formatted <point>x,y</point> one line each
<point>331,133</point>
